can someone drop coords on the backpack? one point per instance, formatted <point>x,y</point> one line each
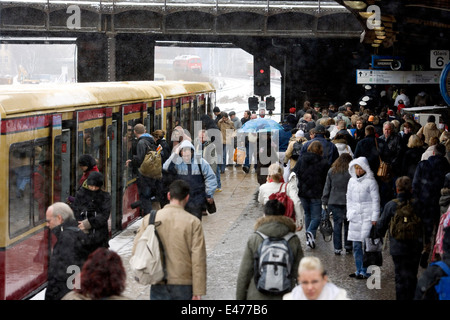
<point>405,224</point>
<point>273,265</point>
<point>151,166</point>
<point>147,262</point>
<point>443,287</point>
<point>296,150</point>
<point>285,200</point>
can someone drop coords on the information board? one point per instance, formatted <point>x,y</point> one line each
<point>367,76</point>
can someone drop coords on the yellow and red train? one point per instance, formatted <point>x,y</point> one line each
<point>45,129</point>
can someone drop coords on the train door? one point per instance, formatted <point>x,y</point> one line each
<point>111,156</point>
<point>127,190</point>
<point>64,160</point>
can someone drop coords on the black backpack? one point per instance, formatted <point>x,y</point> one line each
<point>296,150</point>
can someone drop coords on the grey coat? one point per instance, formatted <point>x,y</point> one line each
<point>335,189</point>
<point>273,226</point>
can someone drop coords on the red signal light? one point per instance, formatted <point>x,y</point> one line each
<point>261,71</point>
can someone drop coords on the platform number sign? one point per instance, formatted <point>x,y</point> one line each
<point>439,58</point>
<point>444,83</point>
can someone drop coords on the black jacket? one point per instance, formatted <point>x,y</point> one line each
<point>411,158</point>
<point>398,247</point>
<point>95,206</point>
<point>311,170</point>
<point>367,148</point>
<point>70,249</point>
<point>144,143</point>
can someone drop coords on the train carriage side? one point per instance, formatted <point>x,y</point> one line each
<point>44,130</point>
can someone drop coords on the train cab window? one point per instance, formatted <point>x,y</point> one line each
<point>30,181</point>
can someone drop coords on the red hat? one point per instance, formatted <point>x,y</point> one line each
<point>390,112</point>
<point>292,110</point>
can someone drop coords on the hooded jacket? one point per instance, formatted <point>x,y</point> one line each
<point>272,226</point>
<point>191,173</point>
<point>363,201</point>
<point>311,170</point>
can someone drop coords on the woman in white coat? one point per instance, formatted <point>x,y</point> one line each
<point>363,209</point>
<point>275,183</point>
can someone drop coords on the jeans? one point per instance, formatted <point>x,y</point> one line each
<point>358,256</point>
<point>145,193</point>
<point>313,211</point>
<point>219,183</point>
<point>224,159</point>
<point>339,220</point>
<point>170,292</point>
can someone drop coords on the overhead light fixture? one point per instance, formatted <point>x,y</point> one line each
<point>357,5</point>
<point>380,33</point>
<point>378,28</point>
<point>377,41</point>
<point>365,14</point>
<point>381,37</point>
<point>375,45</point>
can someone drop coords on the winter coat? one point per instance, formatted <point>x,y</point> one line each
<point>393,152</point>
<point>428,131</point>
<point>329,292</point>
<point>427,184</point>
<point>311,170</point>
<point>70,249</point>
<point>272,226</point>
<point>363,201</point>
<point>228,131</point>
<point>183,240</point>
<point>93,208</point>
<point>203,184</point>
<point>444,200</point>
<point>411,158</point>
<point>342,146</point>
<point>335,189</point>
<point>398,247</point>
<point>208,152</point>
<point>290,150</point>
<point>330,151</point>
<point>145,142</point>
<point>237,123</point>
<point>265,156</point>
<point>368,149</point>
<point>266,189</point>
<point>166,150</point>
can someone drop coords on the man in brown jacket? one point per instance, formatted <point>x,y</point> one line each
<point>182,236</point>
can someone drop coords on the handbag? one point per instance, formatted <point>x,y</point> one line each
<point>210,207</point>
<point>372,250</point>
<point>239,155</point>
<point>325,226</point>
<point>384,168</point>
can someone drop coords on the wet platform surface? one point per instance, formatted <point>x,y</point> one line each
<point>226,234</point>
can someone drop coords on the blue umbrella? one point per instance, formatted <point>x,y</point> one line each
<point>260,125</point>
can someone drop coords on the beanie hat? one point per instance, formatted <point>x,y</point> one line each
<point>431,118</point>
<point>86,160</point>
<point>292,110</point>
<point>95,179</point>
<point>216,109</point>
<point>319,129</point>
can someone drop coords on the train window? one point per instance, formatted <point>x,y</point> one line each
<point>29,184</point>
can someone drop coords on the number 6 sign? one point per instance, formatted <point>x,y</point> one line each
<point>438,58</point>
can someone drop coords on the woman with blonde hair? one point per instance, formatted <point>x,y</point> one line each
<point>314,283</point>
<point>275,183</point>
<point>412,156</point>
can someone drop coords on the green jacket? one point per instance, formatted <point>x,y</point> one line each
<point>273,226</point>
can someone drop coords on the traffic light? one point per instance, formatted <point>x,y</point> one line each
<point>261,76</point>
<point>270,103</point>
<point>253,103</point>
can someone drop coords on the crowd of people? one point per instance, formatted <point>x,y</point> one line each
<point>326,160</point>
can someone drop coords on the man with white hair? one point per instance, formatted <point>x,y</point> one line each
<point>69,252</point>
